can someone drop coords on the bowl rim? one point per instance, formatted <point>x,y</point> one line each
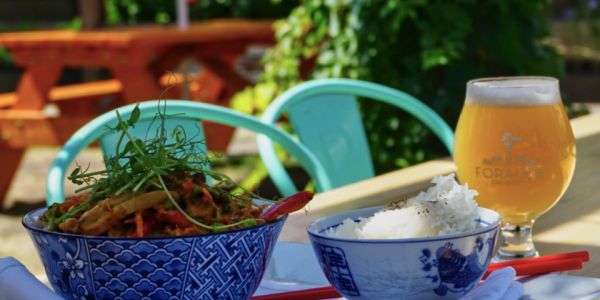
<point>30,214</point>
<point>477,231</point>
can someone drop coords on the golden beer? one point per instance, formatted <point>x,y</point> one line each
<point>515,146</point>
<point>520,159</point>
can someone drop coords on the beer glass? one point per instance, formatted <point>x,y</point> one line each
<point>515,146</point>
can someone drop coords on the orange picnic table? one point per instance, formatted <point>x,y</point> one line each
<point>137,58</point>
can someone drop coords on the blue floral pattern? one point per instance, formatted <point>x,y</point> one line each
<point>457,272</point>
<point>214,266</point>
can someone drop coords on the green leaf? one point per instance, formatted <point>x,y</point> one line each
<point>250,222</point>
<point>126,178</point>
<point>128,147</point>
<point>75,172</point>
<point>334,24</point>
<point>162,153</point>
<point>148,160</point>
<point>102,183</point>
<point>135,115</point>
<point>139,143</point>
<point>137,167</point>
<point>243,101</point>
<point>178,134</point>
<point>215,176</point>
<point>161,172</point>
<point>326,58</point>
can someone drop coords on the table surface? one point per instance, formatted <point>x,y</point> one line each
<point>573,224</point>
<point>149,35</point>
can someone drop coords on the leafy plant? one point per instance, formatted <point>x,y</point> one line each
<point>163,11</point>
<point>427,48</point>
<point>135,11</point>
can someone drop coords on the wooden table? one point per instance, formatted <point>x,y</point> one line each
<point>137,57</point>
<point>573,224</point>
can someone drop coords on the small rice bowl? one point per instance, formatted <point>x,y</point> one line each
<point>445,208</point>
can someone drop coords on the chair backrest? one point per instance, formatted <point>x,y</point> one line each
<point>187,113</point>
<point>325,117</point>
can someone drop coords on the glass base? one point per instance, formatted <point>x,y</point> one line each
<point>503,256</point>
<point>516,243</point>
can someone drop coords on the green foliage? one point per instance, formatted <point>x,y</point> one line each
<point>135,11</point>
<point>427,48</point>
<point>74,24</point>
<point>163,11</point>
<point>6,60</point>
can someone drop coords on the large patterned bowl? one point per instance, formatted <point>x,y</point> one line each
<point>225,265</point>
<point>442,267</point>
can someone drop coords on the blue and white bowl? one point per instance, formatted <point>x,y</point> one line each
<point>441,267</point>
<point>224,265</point>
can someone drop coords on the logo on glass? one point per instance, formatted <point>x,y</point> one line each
<point>510,168</point>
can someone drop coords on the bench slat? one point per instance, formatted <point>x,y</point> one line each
<point>85,90</point>
<point>73,91</point>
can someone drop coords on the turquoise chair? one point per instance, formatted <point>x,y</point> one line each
<point>325,117</point>
<point>184,113</point>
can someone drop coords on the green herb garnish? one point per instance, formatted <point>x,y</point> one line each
<point>142,163</point>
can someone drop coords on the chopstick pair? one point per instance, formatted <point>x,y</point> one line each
<point>527,266</point>
<point>545,264</point>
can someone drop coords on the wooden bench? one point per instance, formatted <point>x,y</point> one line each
<point>137,57</point>
<point>103,88</point>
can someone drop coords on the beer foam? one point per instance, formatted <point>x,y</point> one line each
<point>513,91</point>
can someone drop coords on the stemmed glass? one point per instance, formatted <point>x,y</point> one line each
<point>515,146</point>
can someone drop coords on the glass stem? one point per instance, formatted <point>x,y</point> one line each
<point>516,242</point>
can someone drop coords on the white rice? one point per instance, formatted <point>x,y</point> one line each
<point>445,208</point>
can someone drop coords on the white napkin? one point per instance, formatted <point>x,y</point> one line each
<point>17,283</point>
<point>499,285</point>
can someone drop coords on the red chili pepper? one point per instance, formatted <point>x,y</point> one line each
<point>288,205</point>
<point>174,217</point>
<point>188,186</point>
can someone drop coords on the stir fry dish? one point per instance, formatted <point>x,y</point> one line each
<point>155,187</point>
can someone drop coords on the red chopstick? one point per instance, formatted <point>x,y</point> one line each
<point>581,255</point>
<point>326,292</point>
<point>526,266</point>
<point>543,267</point>
<point>544,264</point>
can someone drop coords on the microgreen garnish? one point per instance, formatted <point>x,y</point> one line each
<point>142,163</point>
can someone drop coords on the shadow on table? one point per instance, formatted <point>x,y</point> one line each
<point>20,209</point>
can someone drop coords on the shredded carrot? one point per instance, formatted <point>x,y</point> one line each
<point>139,224</point>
